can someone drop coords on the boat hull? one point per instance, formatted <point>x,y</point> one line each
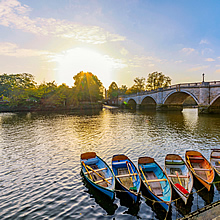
<point>127,176</point>
<point>179,175</point>
<point>200,167</point>
<point>102,170</point>
<point>150,171</point>
<point>215,160</point>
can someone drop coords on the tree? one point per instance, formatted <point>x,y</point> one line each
<point>113,90</point>
<point>139,86</point>
<point>88,87</point>
<point>123,89</point>
<point>157,80</point>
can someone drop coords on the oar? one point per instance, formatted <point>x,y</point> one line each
<point>145,178</point>
<point>129,171</point>
<point>87,170</point>
<point>132,170</point>
<point>178,177</point>
<point>98,174</point>
<point>187,180</point>
<point>190,163</point>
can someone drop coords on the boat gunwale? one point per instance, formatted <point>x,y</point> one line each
<point>200,178</point>
<point>161,200</point>
<point>117,178</point>
<point>178,157</point>
<point>112,190</point>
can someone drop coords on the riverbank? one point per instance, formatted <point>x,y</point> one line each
<point>38,108</point>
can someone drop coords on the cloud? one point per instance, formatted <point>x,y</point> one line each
<point>15,15</point>
<point>188,50</point>
<point>204,42</point>
<point>209,59</point>
<point>197,68</point>
<point>217,71</point>
<point>9,49</point>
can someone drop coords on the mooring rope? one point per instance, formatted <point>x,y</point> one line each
<point>175,200</point>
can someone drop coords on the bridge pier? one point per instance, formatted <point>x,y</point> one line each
<point>170,107</point>
<point>203,109</point>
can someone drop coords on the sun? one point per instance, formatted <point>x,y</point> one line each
<point>72,61</point>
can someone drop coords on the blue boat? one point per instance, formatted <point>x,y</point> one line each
<point>97,172</point>
<point>155,181</point>
<point>127,175</point>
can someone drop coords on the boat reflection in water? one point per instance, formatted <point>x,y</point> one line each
<point>206,195</point>
<point>180,205</point>
<point>101,199</point>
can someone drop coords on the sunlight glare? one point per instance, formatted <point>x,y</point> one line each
<point>72,61</point>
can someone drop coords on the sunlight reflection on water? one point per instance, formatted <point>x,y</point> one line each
<point>39,158</point>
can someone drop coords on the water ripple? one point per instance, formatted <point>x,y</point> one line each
<point>40,159</point>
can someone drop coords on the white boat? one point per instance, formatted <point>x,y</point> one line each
<point>215,160</point>
<point>179,175</point>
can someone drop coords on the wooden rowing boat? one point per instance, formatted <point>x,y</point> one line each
<point>200,167</point>
<point>155,181</point>
<point>179,175</point>
<point>127,175</point>
<point>97,172</point>
<point>215,160</point>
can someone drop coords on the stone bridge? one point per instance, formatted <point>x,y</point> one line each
<point>205,94</point>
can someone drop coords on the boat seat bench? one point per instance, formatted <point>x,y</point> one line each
<point>202,169</point>
<point>126,175</point>
<point>216,157</point>
<point>99,181</point>
<point>196,158</point>
<point>105,168</point>
<point>180,176</point>
<point>155,180</point>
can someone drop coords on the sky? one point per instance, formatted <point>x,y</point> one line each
<point>116,40</point>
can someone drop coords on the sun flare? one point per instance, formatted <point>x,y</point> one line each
<point>72,61</point>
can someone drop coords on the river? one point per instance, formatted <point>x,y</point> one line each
<point>40,160</point>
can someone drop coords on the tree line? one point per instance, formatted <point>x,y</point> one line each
<point>154,81</point>
<point>22,89</point>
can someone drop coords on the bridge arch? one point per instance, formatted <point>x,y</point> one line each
<point>215,105</point>
<point>178,97</point>
<point>148,102</point>
<point>131,104</point>
<point>216,101</point>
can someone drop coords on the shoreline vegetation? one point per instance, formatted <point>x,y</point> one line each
<point>20,93</point>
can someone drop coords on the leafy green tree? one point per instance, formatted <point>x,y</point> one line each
<point>157,80</point>
<point>123,89</point>
<point>139,86</point>
<point>113,90</point>
<point>88,87</point>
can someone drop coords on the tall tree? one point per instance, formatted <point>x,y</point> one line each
<point>123,89</point>
<point>157,80</point>
<point>113,90</point>
<point>139,86</point>
<point>88,87</point>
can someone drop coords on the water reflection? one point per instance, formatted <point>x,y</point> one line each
<point>102,200</point>
<point>206,195</point>
<point>45,147</point>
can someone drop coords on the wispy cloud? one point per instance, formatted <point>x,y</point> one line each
<point>141,61</point>
<point>194,69</point>
<point>15,15</point>
<point>217,71</point>
<point>203,41</point>
<point>9,49</point>
<point>188,50</point>
<point>209,59</point>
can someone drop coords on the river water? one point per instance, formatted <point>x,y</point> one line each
<point>40,160</point>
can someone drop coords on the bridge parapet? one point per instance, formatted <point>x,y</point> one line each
<point>204,93</point>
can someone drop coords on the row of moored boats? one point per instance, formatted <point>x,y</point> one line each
<point>155,181</point>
